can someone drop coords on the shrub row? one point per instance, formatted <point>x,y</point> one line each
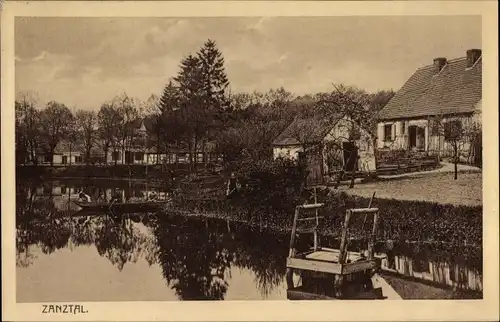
<point>270,191</point>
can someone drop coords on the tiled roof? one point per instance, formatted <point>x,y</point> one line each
<point>311,129</point>
<point>455,89</point>
<point>64,147</point>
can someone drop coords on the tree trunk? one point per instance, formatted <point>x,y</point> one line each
<point>51,154</point>
<point>190,148</point>
<point>70,146</point>
<point>158,149</point>
<point>87,155</point>
<point>106,148</point>
<point>195,152</point>
<point>456,160</point>
<point>33,156</point>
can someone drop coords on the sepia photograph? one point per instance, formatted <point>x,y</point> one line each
<point>247,158</point>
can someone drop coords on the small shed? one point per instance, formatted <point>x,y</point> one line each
<point>338,142</point>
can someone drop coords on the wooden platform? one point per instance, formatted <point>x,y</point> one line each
<point>382,290</point>
<point>326,260</point>
<point>331,255</point>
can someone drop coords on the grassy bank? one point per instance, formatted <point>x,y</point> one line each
<point>400,220</point>
<point>446,232</point>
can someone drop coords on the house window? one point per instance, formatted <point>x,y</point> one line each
<point>115,156</point>
<point>139,156</point>
<point>403,127</point>
<point>200,158</point>
<point>63,190</point>
<point>78,159</point>
<point>434,127</point>
<point>388,132</point>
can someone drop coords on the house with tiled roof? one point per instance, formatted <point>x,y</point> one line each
<point>435,94</point>
<point>340,142</point>
<point>64,154</point>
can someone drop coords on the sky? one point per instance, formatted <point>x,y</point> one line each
<point>83,62</point>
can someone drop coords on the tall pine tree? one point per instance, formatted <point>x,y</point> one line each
<point>215,85</point>
<point>214,79</point>
<point>194,117</point>
<point>197,98</point>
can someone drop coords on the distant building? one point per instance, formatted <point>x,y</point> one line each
<point>142,150</point>
<point>64,154</point>
<point>446,90</point>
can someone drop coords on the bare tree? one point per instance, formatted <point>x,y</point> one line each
<point>129,118</point>
<point>108,120</point>
<point>457,133</point>
<point>71,136</point>
<point>359,107</point>
<point>55,121</point>
<point>87,122</point>
<point>28,129</point>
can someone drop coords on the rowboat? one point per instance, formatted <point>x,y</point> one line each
<point>118,206</point>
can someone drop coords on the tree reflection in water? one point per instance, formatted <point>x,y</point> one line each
<point>193,258</point>
<point>39,222</point>
<point>196,256</point>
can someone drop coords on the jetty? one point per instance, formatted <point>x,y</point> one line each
<point>328,273</point>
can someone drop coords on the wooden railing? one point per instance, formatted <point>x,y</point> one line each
<point>407,164</point>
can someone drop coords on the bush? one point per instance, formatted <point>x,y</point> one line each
<point>269,186</point>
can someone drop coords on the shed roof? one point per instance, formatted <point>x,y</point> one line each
<point>312,129</point>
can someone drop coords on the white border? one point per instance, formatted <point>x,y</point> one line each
<point>260,310</point>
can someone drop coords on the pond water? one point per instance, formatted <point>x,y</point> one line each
<point>158,256</point>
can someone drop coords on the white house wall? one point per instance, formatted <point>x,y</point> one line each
<point>431,143</point>
<point>340,133</point>
<point>290,152</point>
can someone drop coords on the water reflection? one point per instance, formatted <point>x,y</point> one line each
<point>196,256</point>
<point>199,259</point>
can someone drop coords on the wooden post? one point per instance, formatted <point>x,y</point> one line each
<point>369,206</point>
<point>371,243</point>
<point>294,228</point>
<point>343,242</point>
<point>317,222</point>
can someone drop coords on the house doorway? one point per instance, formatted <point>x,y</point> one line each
<point>416,136</point>
<point>350,156</point>
<point>129,157</point>
<point>64,159</point>
<point>412,136</point>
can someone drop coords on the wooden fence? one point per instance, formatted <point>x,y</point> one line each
<point>396,162</point>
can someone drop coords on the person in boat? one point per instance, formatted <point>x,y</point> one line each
<point>232,186</point>
<point>152,196</point>
<point>117,196</point>
<point>84,197</point>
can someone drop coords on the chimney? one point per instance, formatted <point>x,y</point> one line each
<point>472,56</point>
<point>439,64</point>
